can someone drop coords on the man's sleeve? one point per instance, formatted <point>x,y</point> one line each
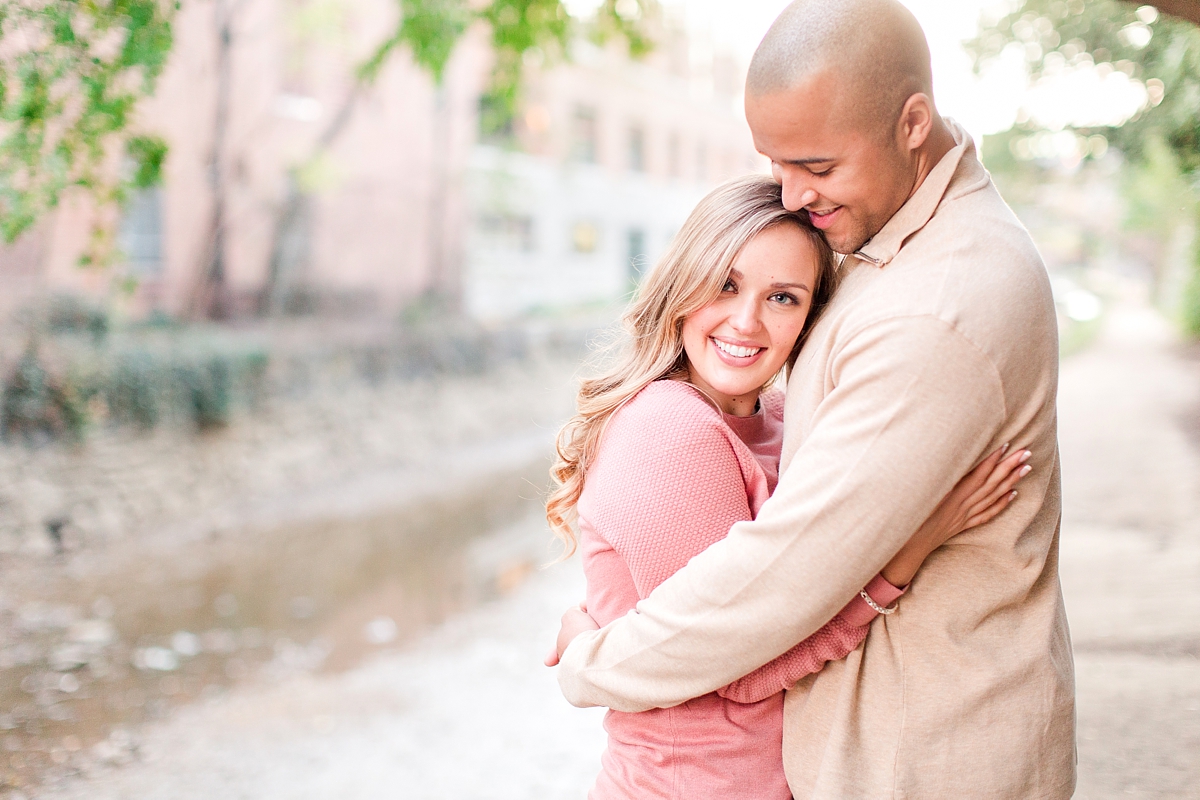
<point>913,407</point>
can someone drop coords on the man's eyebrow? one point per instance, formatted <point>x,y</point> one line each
<point>805,161</point>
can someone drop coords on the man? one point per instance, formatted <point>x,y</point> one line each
<point>940,346</point>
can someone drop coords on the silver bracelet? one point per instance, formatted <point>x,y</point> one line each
<point>878,608</point>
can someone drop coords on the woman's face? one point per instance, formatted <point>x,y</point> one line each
<point>736,343</point>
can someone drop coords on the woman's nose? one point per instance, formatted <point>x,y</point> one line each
<point>745,317</point>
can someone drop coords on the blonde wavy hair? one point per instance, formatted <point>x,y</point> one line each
<point>688,277</point>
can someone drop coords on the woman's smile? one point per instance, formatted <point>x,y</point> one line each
<point>736,355</point>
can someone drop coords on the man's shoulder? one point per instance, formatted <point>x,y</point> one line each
<point>973,260</point>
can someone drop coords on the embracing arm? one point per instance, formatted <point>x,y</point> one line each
<point>835,640</point>
<point>914,406</point>
<point>975,500</point>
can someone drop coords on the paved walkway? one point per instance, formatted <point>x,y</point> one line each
<point>1130,418</point>
<point>468,714</point>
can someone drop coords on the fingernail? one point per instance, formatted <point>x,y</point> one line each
<point>1014,494</point>
<point>1025,456</point>
<point>1004,449</point>
<point>1025,470</point>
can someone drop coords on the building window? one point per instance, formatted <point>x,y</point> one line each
<point>141,234</point>
<point>507,232</point>
<point>585,237</point>
<point>637,149</point>
<point>636,240</point>
<point>584,136</point>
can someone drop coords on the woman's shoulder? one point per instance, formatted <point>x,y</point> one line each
<point>664,413</point>
<point>668,400</point>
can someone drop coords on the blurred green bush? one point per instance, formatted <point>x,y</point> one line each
<point>75,374</point>
<point>80,370</point>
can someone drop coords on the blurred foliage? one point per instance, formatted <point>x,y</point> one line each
<point>1161,51</point>
<point>79,371</point>
<point>38,405</point>
<point>1159,197</point>
<point>1161,142</point>
<point>522,31</point>
<point>72,375</point>
<point>71,74</point>
<point>146,156</point>
<point>72,314</point>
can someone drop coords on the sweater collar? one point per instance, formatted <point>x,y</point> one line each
<point>919,209</point>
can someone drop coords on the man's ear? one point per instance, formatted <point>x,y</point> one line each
<point>916,121</point>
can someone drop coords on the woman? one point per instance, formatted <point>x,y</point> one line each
<point>681,439</point>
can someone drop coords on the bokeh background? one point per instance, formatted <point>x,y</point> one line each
<point>294,295</point>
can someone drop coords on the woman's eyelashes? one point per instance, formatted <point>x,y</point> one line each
<point>785,298</point>
<point>782,298</point>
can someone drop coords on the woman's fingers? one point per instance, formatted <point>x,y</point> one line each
<point>978,477</point>
<point>989,513</point>
<point>1000,489</point>
<point>996,491</point>
<point>1000,473</point>
<point>574,621</point>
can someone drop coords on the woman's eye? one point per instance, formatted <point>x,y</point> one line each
<point>785,298</point>
<point>729,287</point>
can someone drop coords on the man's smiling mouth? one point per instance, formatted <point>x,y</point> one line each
<point>824,218</point>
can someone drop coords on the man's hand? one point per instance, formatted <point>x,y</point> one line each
<point>574,622</point>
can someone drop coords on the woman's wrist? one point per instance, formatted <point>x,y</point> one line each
<point>900,570</point>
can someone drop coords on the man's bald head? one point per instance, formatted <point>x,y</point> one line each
<point>875,49</point>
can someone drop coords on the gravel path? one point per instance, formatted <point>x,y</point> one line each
<point>469,714</point>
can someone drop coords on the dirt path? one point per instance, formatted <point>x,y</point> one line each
<point>469,715</point>
<point>1131,558</point>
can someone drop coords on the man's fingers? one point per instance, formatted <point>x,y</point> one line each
<point>551,659</point>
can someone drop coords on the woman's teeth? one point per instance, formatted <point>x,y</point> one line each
<point>736,351</point>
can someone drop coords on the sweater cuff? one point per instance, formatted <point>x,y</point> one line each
<point>857,612</point>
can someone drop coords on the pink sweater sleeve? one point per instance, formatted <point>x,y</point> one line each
<point>669,483</point>
<point>834,640</point>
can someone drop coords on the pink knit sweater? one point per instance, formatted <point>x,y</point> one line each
<point>671,477</point>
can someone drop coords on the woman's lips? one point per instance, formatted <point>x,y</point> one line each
<point>822,220</point>
<point>722,350</point>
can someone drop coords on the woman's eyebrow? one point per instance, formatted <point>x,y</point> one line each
<point>803,286</point>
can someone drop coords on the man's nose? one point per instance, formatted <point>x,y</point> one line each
<point>796,193</point>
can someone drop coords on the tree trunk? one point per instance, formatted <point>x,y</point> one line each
<point>211,298</point>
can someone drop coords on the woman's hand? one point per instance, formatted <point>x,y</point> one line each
<point>980,496</point>
<point>574,622</point>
